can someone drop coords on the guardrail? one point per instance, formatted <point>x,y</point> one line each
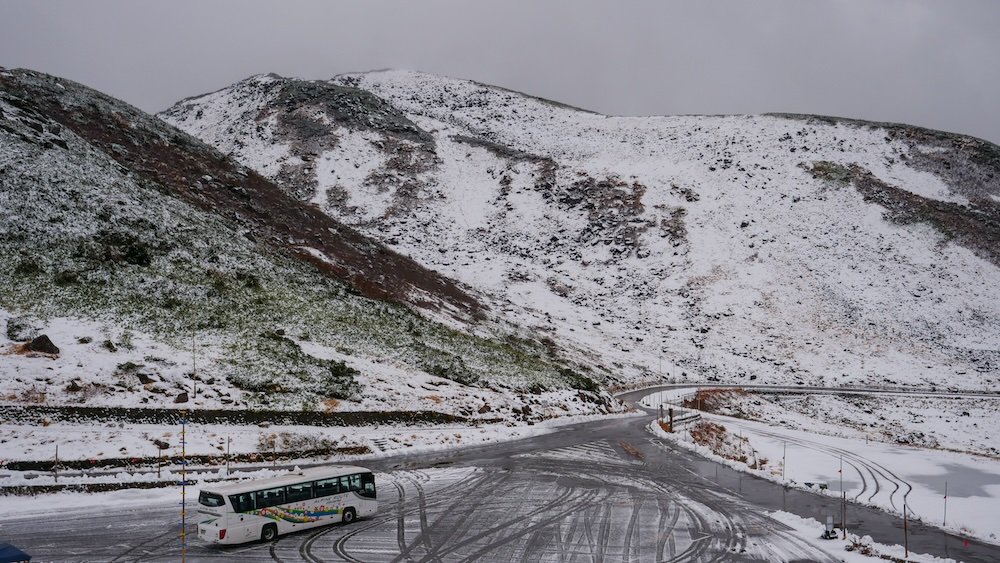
<point>674,417</point>
<point>835,389</point>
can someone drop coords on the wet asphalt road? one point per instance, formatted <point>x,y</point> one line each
<point>597,491</point>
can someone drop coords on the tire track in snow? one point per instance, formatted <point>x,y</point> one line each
<point>460,518</point>
<point>875,469</point>
<point>581,503</point>
<point>459,487</point>
<point>630,528</point>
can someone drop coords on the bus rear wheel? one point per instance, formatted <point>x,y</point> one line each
<point>348,516</point>
<point>269,532</point>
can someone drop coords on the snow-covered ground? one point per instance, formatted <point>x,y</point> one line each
<point>108,365</point>
<point>810,530</point>
<point>955,422</point>
<point>98,442</point>
<point>90,354</point>
<point>68,504</point>
<point>899,472</point>
<point>807,449</point>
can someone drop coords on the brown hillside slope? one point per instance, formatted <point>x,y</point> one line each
<point>185,167</point>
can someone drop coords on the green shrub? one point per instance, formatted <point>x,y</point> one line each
<point>579,381</point>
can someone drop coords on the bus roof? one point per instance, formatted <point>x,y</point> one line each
<point>302,475</point>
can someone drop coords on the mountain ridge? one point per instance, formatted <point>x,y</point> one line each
<point>607,233</point>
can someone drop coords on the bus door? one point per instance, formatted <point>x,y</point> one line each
<point>242,525</point>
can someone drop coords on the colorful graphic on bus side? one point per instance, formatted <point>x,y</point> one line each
<point>297,515</point>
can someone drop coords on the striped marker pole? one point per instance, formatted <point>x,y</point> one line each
<point>183,490</point>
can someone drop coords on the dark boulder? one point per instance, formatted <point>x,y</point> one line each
<point>181,397</point>
<point>43,344</point>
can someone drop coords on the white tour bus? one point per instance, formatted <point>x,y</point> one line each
<point>264,508</point>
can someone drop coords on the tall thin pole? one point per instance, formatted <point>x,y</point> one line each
<point>944,521</point>
<point>843,505</point>
<point>228,440</point>
<point>843,500</point>
<point>841,473</point>
<point>784,446</point>
<point>55,466</point>
<point>906,539</point>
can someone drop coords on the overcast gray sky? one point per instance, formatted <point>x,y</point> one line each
<point>935,64</point>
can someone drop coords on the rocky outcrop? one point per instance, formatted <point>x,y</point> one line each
<point>43,344</point>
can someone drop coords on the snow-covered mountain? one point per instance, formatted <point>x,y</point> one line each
<point>774,248</point>
<point>142,253</point>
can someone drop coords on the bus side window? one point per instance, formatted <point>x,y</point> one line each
<point>242,502</point>
<point>356,482</point>
<point>295,493</point>
<point>345,484</point>
<point>270,497</point>
<point>367,485</point>
<point>325,488</point>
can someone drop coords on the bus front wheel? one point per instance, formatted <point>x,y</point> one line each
<point>269,532</point>
<point>348,516</point>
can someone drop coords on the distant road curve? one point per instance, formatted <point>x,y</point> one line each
<point>634,395</point>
